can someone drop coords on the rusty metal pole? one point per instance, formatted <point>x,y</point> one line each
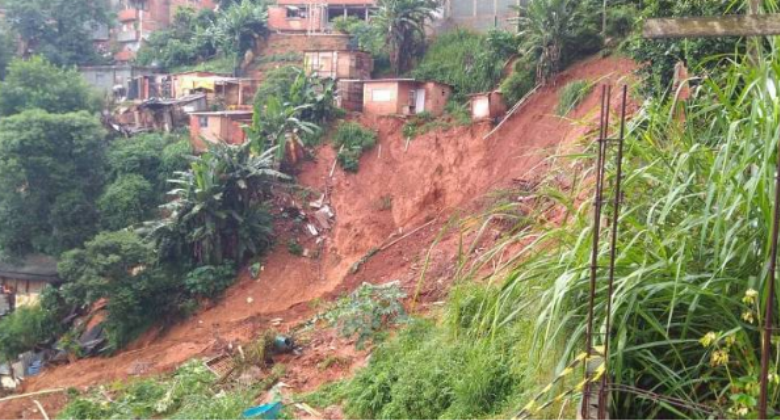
<point>603,403</point>
<point>604,121</point>
<point>769,312</point>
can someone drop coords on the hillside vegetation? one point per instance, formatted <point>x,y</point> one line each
<point>150,235</point>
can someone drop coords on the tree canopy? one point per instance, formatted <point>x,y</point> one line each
<point>38,84</point>
<point>51,171</point>
<point>60,30</point>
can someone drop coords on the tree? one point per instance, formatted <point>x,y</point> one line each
<point>556,30</point>
<point>186,41</point>
<point>51,171</point>
<point>122,268</point>
<point>403,24</point>
<point>60,30</point>
<point>7,50</point>
<point>37,84</point>
<point>217,211</point>
<point>239,26</point>
<point>126,202</point>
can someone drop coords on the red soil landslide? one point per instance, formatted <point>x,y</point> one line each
<point>396,191</point>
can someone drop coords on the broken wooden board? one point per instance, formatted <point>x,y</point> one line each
<point>710,27</point>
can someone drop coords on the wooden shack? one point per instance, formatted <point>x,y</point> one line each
<point>21,282</point>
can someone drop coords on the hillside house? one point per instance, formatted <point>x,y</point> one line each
<point>404,97</point>
<point>218,127</point>
<point>222,91</point>
<point>315,15</point>
<point>21,282</point>
<point>487,105</point>
<point>338,64</point>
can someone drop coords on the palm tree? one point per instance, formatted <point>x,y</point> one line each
<point>217,209</point>
<point>238,27</point>
<point>545,26</point>
<point>403,24</point>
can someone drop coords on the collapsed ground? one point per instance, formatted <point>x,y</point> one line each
<point>403,188</point>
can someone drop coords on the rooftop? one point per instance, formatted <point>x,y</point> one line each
<point>33,267</point>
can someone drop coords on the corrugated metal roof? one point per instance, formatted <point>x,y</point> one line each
<point>33,267</point>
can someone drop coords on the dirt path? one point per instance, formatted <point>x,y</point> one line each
<point>396,191</point>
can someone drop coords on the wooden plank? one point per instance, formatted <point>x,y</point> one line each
<point>708,27</point>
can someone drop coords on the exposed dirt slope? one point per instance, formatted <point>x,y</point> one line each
<point>396,191</point>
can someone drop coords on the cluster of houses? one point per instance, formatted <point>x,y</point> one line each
<point>215,107</point>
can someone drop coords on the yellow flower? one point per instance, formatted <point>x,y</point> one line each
<point>747,316</point>
<point>742,411</point>
<point>708,339</point>
<point>719,358</point>
<point>750,296</point>
<point>774,378</point>
<point>730,340</point>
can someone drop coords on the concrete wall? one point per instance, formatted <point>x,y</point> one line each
<point>382,98</point>
<point>104,78</point>
<point>480,15</point>
<point>487,106</point>
<point>221,128</point>
<point>276,44</point>
<point>339,64</point>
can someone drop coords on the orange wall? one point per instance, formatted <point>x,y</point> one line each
<point>220,128</point>
<point>399,97</point>
<point>436,97</point>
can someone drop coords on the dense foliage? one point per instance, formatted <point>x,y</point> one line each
<point>51,173</point>
<point>186,41</point>
<point>216,212</point>
<point>196,36</point>
<point>38,84</point>
<point>60,30</point>
<point>468,61</point>
<point>402,24</point>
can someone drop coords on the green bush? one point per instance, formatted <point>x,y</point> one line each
<point>26,328</point>
<point>621,20</point>
<point>466,60</point>
<point>571,95</point>
<point>351,140</point>
<point>38,84</point>
<point>127,201</point>
<point>210,281</point>
<point>519,83</point>
<point>423,373</point>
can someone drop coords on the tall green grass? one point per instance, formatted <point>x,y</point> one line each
<point>694,241</point>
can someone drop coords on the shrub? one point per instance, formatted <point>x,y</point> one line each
<point>126,202</point>
<point>210,281</point>
<point>466,60</point>
<point>367,311</point>
<point>38,84</point>
<point>621,20</point>
<point>26,328</point>
<point>519,83</point>
<point>351,140</point>
<point>571,95</point>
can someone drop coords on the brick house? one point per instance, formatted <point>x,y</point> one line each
<point>218,127</point>
<point>336,64</point>
<point>315,15</point>
<point>137,19</point>
<point>404,97</point>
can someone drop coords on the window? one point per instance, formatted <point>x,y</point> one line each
<point>203,122</point>
<point>381,95</point>
<point>295,12</point>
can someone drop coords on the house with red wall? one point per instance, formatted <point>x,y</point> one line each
<point>315,15</point>
<point>218,127</point>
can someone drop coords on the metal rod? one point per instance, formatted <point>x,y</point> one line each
<point>766,345</point>
<point>613,252</point>
<point>604,121</point>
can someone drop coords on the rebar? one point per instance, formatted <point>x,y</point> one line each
<point>766,345</point>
